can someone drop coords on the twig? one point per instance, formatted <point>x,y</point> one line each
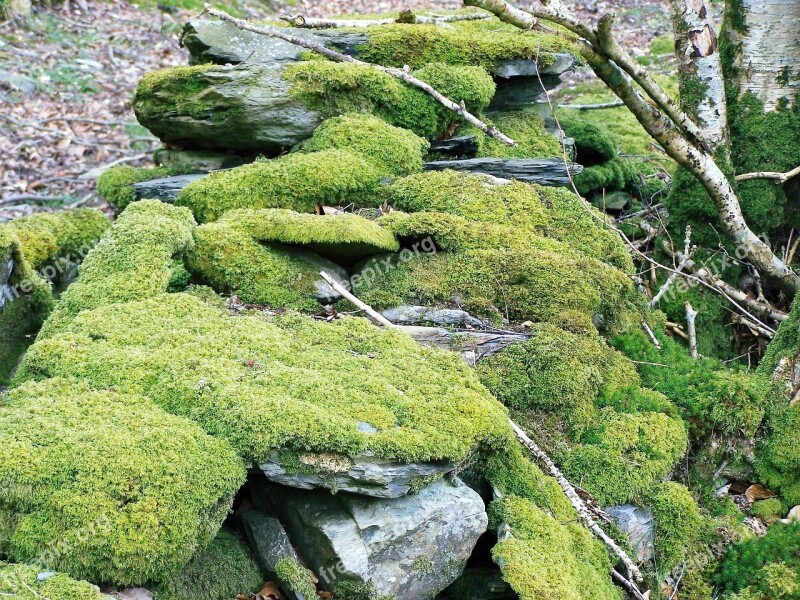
<point>577,502</point>
<point>651,335</point>
<point>83,120</point>
<point>599,106</point>
<point>691,314</point>
<point>311,23</point>
<point>740,320</point>
<point>639,213</point>
<point>687,256</point>
<point>779,177</point>
<point>371,312</point>
<point>678,330</point>
<point>401,74</point>
<point>7,200</point>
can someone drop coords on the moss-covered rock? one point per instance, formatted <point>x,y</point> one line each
<point>524,127</point>
<point>104,485</point>
<point>295,577</point>
<point>778,462</point>
<point>593,143</point>
<point>291,382</point>
<point>22,582</point>
<point>133,260</point>
<point>222,570</point>
<point>116,184</point>
<point>677,523</point>
<point>344,163</point>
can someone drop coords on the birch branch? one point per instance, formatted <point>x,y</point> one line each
<point>401,74</point>
<point>371,312</point>
<point>687,256</point>
<point>651,335</point>
<point>755,327</point>
<point>599,106</point>
<point>311,23</point>
<point>577,502</point>
<point>779,177</point>
<point>691,330</point>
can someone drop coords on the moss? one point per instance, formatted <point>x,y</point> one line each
<point>100,496</point>
<point>395,151</point>
<point>468,43</point>
<point>663,44</point>
<point>295,577</point>
<point>677,523</point>
<point>348,590</point>
<point>543,558</point>
<point>132,260</point>
<point>778,464</point>
<point>340,236</point>
<point>21,582</point>
<point>524,127</point>
<point>337,88</point>
<point>624,455</point>
<point>609,176</point>
<point>593,143</point>
<point>289,382</point>
<point>556,371</point>
<point>767,509</point>
<point>221,571</point>
<point>116,184</point>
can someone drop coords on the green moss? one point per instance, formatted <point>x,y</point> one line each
<point>340,236</point>
<point>21,582</point>
<point>99,495</point>
<point>349,590</point>
<point>677,523</point>
<point>290,382</point>
<point>221,571</point>
<point>556,371</point>
<point>778,464</point>
<point>116,184</point>
<point>133,260</point>
<point>609,176</point>
<point>296,577</point>
<point>395,151</point>
<point>337,88</point>
<point>524,127</point>
<point>593,143</point>
<point>544,558</point>
<point>663,44</point>
<point>767,509</point>
<point>468,43</point>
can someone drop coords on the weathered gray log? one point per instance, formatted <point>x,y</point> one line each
<point>472,345</point>
<point>164,189</point>
<point>544,171</point>
<point>245,108</point>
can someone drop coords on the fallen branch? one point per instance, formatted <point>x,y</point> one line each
<point>371,312</point>
<point>311,23</point>
<point>602,105</point>
<point>401,74</point>
<point>639,213</point>
<point>754,327</point>
<point>691,314</point>
<point>577,503</point>
<point>651,335</point>
<point>779,177</point>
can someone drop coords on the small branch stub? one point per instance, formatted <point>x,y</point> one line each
<point>691,315</point>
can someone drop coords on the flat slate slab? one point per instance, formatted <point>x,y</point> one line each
<point>544,171</point>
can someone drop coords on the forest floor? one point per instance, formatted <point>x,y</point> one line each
<point>67,78</point>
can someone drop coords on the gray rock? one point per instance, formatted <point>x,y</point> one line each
<point>362,474</point>
<point>480,584</point>
<point>425,314</point>
<point>562,62</point>
<point>17,82</point>
<point>471,345</point>
<point>411,547</point>
<point>544,171</point>
<point>196,161</point>
<point>164,189</point>
<point>6,269</point>
<point>324,292</point>
<point>639,525</point>
<point>459,145</point>
<point>241,108</point>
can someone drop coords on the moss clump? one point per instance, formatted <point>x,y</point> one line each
<point>677,523</point>
<point>767,509</point>
<point>778,464</point>
<point>338,88</point>
<point>106,486</point>
<point>221,571</point>
<point>296,578</point>
<point>133,260</point>
<point>116,184</point>
<point>557,371</point>
<point>764,567</point>
<point>524,127</point>
<point>477,43</point>
<point>544,558</point>
<point>21,582</point>
<point>233,261</point>
<point>289,382</point>
<point>593,143</point>
<point>344,163</point>
<point>395,151</point>
<point>341,236</point>
<point>609,176</point>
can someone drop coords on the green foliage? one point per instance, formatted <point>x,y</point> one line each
<point>116,184</point>
<point>220,571</point>
<point>677,523</point>
<point>287,382</point>
<point>778,464</point>
<point>764,568</point>
<point>767,509</point>
<point>343,163</point>
<point>609,176</point>
<point>98,495</point>
<point>337,88</point>
<point>485,44</point>
<point>21,582</point>
<point>133,260</point>
<point>296,577</point>
<point>593,143</point>
<point>545,558</point>
<point>624,455</point>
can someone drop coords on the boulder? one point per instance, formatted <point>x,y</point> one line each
<point>408,314</point>
<point>544,171</point>
<point>471,345</point>
<point>360,474</point>
<point>639,526</point>
<point>164,188</point>
<point>459,145</point>
<point>409,547</point>
<point>196,161</point>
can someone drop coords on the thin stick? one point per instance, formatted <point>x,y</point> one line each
<point>401,74</point>
<point>576,501</point>
<point>691,314</point>
<point>371,312</point>
<point>651,335</point>
<point>687,256</point>
<point>311,23</point>
<point>779,177</point>
<point>599,106</point>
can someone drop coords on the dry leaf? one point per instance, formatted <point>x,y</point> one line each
<point>270,591</point>
<point>756,492</point>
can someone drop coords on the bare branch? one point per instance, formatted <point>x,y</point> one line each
<point>401,74</point>
<point>311,23</point>
<point>779,177</point>
<point>651,336</point>
<point>600,106</point>
<point>687,256</point>
<point>371,312</point>
<point>691,314</point>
